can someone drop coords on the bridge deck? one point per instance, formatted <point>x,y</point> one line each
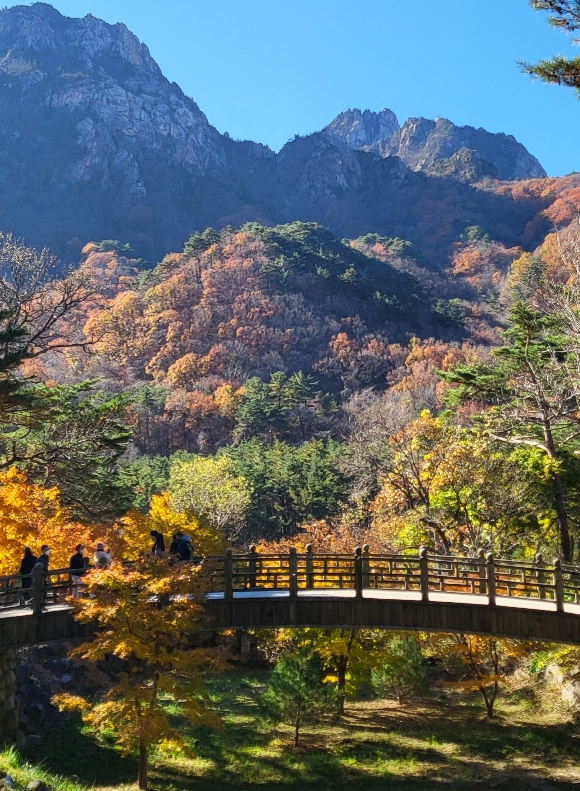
<point>508,616</point>
<point>26,612</point>
<point>528,600</point>
<point>519,602</point>
<point>372,593</point>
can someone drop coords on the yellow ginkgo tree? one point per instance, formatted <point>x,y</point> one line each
<point>147,615</point>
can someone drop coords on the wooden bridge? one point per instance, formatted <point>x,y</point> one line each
<point>432,593</point>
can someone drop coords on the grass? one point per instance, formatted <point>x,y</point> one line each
<point>439,743</point>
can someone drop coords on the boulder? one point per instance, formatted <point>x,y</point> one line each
<point>37,785</point>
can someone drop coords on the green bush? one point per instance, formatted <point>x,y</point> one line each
<point>403,671</point>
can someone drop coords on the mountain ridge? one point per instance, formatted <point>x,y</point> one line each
<point>422,144</point>
<point>96,143</point>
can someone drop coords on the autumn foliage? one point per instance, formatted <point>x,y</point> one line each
<point>148,617</point>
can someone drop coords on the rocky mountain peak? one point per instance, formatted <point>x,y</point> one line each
<point>115,107</point>
<point>361,130</point>
<point>95,143</point>
<point>41,27</point>
<point>437,147</point>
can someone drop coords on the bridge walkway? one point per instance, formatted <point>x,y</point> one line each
<point>528,600</point>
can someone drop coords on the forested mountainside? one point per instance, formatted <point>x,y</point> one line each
<point>282,301</point>
<point>97,144</point>
<point>301,370</point>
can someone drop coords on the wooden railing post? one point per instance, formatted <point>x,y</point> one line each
<point>228,575</point>
<point>358,572</point>
<point>482,587</point>
<point>558,585</point>
<point>292,573</point>
<point>490,566</point>
<point>309,567</point>
<point>365,566</point>
<point>540,565</point>
<point>252,567</point>
<point>38,579</point>
<point>424,572</point>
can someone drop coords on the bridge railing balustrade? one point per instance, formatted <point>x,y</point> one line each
<point>57,584</point>
<point>448,574</point>
<point>12,594</point>
<point>242,572</point>
<point>325,571</point>
<point>524,579</point>
<point>483,575</point>
<point>295,572</point>
<point>43,588</point>
<point>391,572</point>
<point>570,576</point>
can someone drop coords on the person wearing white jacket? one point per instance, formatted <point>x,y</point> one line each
<point>102,558</point>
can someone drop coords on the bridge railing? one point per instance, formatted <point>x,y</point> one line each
<point>483,575</point>
<point>15,591</point>
<point>293,572</point>
<point>570,582</point>
<point>35,590</point>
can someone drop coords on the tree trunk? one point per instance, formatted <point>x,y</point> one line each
<point>559,499</point>
<point>489,700</point>
<point>341,683</point>
<point>562,518</point>
<point>296,731</point>
<point>142,777</point>
<point>341,668</point>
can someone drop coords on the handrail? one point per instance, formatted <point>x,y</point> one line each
<point>299,572</point>
<point>483,575</point>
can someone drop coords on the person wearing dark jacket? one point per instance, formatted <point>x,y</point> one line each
<point>159,543</point>
<point>184,548</point>
<point>44,557</point>
<point>77,567</point>
<point>27,563</point>
<point>174,543</point>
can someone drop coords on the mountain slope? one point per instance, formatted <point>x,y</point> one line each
<point>96,144</point>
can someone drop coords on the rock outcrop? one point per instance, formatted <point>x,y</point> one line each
<point>438,147</point>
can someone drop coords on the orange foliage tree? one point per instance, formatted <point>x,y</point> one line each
<point>32,515</point>
<point>484,662</point>
<point>148,617</point>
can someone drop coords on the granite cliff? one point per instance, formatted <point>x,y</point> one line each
<point>437,147</point>
<point>95,143</point>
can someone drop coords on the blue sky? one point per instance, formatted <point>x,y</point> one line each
<point>266,70</point>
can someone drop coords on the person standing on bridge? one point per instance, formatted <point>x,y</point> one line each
<point>174,544</point>
<point>27,563</point>
<point>102,559</point>
<point>159,543</point>
<point>77,567</point>
<point>184,548</point>
<point>44,558</point>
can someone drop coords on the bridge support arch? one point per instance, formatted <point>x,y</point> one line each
<point>499,620</point>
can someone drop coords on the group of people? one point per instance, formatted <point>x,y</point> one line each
<point>179,549</point>
<point>78,564</point>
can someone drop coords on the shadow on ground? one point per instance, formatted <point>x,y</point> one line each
<point>67,751</point>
